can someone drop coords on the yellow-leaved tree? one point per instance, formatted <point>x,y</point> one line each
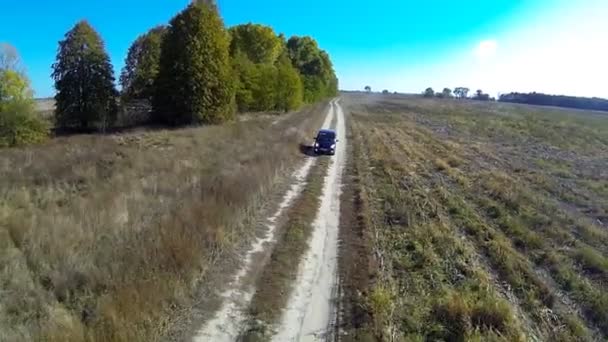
<point>19,122</point>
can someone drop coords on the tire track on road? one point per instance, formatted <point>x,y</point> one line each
<point>227,323</point>
<point>311,310</point>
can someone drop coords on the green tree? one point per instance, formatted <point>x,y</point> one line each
<point>264,81</point>
<point>209,3</point>
<point>141,65</point>
<point>315,67</point>
<point>195,81</point>
<point>19,122</point>
<point>264,90</point>
<point>258,42</point>
<point>481,96</point>
<point>447,93</point>
<point>84,81</point>
<point>265,87</point>
<point>290,91</point>
<point>429,92</point>
<point>368,89</point>
<point>14,86</point>
<point>461,92</point>
<point>246,78</point>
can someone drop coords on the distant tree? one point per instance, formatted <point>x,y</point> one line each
<point>429,92</point>
<point>592,103</point>
<point>439,95</point>
<point>19,122</point>
<point>258,42</point>
<point>195,81</point>
<point>84,81</point>
<point>385,91</point>
<point>141,65</point>
<point>447,92</point>
<point>461,92</point>
<point>480,96</point>
<point>368,89</point>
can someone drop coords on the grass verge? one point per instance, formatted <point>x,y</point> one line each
<point>356,263</point>
<point>107,238</point>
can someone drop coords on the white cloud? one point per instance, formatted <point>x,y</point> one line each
<point>486,49</point>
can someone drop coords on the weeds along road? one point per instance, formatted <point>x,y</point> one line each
<point>310,314</point>
<point>229,321</point>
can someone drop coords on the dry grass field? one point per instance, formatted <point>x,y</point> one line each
<point>459,221</point>
<point>476,221</point>
<point>106,238</point>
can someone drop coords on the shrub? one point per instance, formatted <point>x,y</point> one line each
<point>19,124</point>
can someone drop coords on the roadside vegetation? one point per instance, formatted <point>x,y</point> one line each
<point>192,71</point>
<point>106,238</point>
<point>487,221</point>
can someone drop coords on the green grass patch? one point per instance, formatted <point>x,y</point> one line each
<point>592,260</point>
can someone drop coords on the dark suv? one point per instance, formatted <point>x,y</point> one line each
<point>325,142</point>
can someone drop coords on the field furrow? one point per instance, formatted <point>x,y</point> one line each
<point>476,237</point>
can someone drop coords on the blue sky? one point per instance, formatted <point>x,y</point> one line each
<point>553,46</point>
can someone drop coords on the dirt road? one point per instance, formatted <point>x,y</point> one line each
<point>310,313</point>
<point>228,321</point>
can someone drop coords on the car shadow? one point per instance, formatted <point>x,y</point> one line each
<point>307,150</point>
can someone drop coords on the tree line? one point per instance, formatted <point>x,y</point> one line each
<point>447,93</point>
<point>459,93</point>
<point>591,103</point>
<point>193,71</point>
<point>533,98</point>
